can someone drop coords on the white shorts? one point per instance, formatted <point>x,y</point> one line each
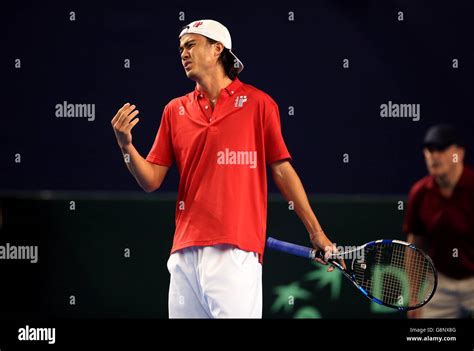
<point>453,299</point>
<point>219,281</point>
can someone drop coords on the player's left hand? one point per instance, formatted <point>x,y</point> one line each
<point>320,241</point>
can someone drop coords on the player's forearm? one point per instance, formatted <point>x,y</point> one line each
<point>292,189</point>
<point>140,168</point>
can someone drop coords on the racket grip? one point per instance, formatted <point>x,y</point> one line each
<point>292,249</point>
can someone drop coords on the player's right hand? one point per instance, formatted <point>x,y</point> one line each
<point>123,122</point>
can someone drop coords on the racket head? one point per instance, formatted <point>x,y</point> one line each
<point>393,273</point>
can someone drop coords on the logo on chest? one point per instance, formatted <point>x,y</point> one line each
<point>241,158</point>
<point>240,100</point>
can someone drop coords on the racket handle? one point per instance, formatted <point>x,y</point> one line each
<point>293,249</point>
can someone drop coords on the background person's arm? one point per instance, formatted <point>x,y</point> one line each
<point>417,240</point>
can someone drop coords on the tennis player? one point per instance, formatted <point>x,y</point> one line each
<point>221,137</point>
<point>440,219</point>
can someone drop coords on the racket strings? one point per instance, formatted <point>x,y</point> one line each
<point>395,274</point>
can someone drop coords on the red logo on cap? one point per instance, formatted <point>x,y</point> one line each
<point>197,24</point>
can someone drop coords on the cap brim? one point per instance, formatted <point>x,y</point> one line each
<point>436,145</point>
<point>241,65</point>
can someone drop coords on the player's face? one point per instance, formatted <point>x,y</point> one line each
<point>198,56</point>
<point>442,162</point>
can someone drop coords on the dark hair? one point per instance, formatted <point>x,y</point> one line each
<point>231,68</point>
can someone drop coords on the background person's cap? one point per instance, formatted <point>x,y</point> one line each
<point>212,30</point>
<point>442,136</point>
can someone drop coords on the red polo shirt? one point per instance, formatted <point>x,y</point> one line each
<point>447,223</point>
<point>221,156</point>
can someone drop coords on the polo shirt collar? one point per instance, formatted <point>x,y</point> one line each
<point>431,183</point>
<point>230,89</point>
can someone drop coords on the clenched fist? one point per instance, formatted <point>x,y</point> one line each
<point>123,123</point>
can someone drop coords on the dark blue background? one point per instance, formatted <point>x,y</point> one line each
<point>298,63</point>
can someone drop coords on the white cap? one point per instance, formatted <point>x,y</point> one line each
<point>212,30</point>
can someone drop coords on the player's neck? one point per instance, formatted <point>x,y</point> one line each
<point>213,84</point>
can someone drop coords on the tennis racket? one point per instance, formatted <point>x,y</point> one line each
<point>392,273</point>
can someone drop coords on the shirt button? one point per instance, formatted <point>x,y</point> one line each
<point>206,107</point>
<point>210,119</point>
<point>231,92</point>
<point>200,95</point>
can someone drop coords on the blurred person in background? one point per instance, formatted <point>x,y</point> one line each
<point>440,220</point>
